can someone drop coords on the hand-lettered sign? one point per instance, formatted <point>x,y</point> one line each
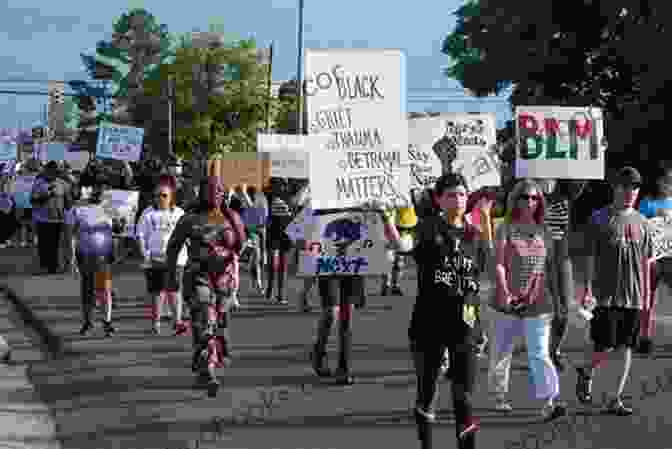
<point>463,143</point>
<point>123,143</point>
<point>559,142</point>
<point>358,98</point>
<point>345,243</point>
<point>662,236</point>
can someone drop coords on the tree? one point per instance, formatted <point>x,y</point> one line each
<point>220,97</point>
<point>574,53</point>
<point>138,47</point>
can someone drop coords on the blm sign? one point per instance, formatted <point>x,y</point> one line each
<point>559,142</point>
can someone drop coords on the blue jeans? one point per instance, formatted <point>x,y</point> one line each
<point>505,330</point>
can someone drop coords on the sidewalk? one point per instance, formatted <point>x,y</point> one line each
<point>25,421</point>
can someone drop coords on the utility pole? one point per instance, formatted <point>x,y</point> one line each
<point>299,69</point>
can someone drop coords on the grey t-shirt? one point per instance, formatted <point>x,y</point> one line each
<point>621,246</point>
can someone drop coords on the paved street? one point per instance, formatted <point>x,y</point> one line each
<point>135,390</point>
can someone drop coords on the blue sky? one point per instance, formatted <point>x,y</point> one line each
<point>42,39</point>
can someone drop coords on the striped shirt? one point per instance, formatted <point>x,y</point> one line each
<point>279,208</point>
<point>557,218</point>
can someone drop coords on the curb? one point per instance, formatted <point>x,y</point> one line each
<point>49,343</point>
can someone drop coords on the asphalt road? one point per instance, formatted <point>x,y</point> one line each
<point>135,390</point>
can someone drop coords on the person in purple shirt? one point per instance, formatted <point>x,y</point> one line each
<point>89,231</point>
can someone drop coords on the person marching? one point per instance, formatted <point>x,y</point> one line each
<point>216,238</point>
<point>154,230</point>
<point>445,314</point>
<point>89,230</point>
<point>406,221</point>
<point>659,206</point>
<point>618,281</point>
<point>526,282</point>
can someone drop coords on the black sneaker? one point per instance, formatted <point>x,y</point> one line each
<point>584,384</point>
<point>213,387</point>
<point>645,346</point>
<point>615,407</point>
<point>7,358</point>
<point>396,291</point>
<point>385,290</point>
<point>551,413</point>
<point>86,328</point>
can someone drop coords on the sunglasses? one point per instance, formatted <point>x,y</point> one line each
<point>631,186</point>
<point>526,197</point>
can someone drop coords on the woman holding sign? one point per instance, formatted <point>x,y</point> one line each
<point>446,311</point>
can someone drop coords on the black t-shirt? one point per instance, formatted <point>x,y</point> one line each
<point>448,275</point>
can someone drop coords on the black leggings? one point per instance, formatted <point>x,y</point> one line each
<point>463,367</point>
<point>49,245</point>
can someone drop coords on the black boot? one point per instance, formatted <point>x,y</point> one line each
<point>344,356</point>
<point>86,328</point>
<point>318,359</point>
<point>423,423</point>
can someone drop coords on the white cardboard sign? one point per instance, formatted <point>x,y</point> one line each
<point>461,142</point>
<point>289,153</point>
<point>345,243</point>
<point>559,142</point>
<point>358,98</point>
<point>662,236</point>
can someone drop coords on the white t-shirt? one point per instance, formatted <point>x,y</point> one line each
<point>154,231</point>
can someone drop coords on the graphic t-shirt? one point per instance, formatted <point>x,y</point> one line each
<point>621,246</point>
<point>448,277</point>
<point>156,227</point>
<point>214,250</point>
<point>528,256</point>
<point>95,229</point>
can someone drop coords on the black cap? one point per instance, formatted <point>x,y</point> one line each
<point>627,176</point>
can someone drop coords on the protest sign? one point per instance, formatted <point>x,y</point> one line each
<point>288,153</point>
<point>559,142</point>
<point>50,151</point>
<point>236,169</point>
<point>358,98</point>
<point>662,236</point>
<point>121,206</point>
<point>341,180</point>
<point>345,243</point>
<point>22,190</point>
<point>463,143</point>
<point>123,143</point>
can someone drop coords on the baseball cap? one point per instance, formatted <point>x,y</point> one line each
<point>627,176</point>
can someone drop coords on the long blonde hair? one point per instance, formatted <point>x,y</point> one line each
<point>520,187</point>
